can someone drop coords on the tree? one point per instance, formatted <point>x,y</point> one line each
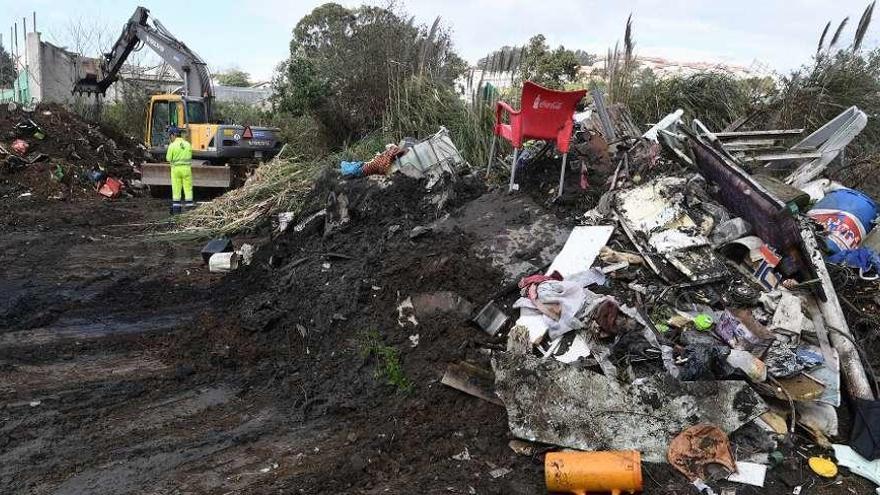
<point>7,69</point>
<point>585,58</point>
<point>551,68</point>
<point>234,77</point>
<point>505,59</point>
<point>344,63</point>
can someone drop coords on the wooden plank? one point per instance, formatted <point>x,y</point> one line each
<point>471,380</point>
<point>754,143</point>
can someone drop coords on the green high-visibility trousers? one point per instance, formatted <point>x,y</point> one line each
<point>181,182</point>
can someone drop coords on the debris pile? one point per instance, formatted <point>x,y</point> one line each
<point>726,292</point>
<point>51,153</point>
<point>690,322</point>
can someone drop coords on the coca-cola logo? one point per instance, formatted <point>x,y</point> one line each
<point>546,105</point>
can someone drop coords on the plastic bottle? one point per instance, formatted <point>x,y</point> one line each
<point>753,367</point>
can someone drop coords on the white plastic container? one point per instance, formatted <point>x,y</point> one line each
<point>223,262</point>
<point>753,367</point>
<point>426,157</point>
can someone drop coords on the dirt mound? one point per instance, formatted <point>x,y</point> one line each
<point>320,319</point>
<point>63,150</point>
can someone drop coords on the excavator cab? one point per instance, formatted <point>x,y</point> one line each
<point>164,112</point>
<point>188,114</point>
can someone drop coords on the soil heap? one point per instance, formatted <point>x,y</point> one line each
<point>63,150</point>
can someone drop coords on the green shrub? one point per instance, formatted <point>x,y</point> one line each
<point>387,360</point>
<point>716,99</point>
<point>344,61</point>
<point>813,95</point>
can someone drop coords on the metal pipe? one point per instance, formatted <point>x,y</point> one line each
<point>562,175</point>
<point>24,39</point>
<point>513,170</point>
<point>491,152</point>
<point>16,87</point>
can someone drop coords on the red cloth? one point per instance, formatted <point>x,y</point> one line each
<point>382,163</point>
<point>529,288</point>
<point>529,285</point>
<point>20,147</point>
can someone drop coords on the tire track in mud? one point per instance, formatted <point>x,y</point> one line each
<point>87,403</point>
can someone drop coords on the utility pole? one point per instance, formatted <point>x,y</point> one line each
<point>27,72</point>
<point>16,87</point>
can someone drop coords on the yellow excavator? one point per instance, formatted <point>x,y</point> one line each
<point>213,144</point>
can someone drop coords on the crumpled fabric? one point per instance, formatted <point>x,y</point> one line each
<point>866,260</point>
<point>734,333</point>
<point>557,299</point>
<point>543,295</point>
<point>351,169</point>
<point>529,285</point>
<point>704,362</point>
<point>782,360</point>
<point>382,162</point>
<point>865,435</point>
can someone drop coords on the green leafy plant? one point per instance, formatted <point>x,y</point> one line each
<point>715,98</point>
<point>388,364</point>
<point>7,69</point>
<point>234,77</point>
<point>343,62</point>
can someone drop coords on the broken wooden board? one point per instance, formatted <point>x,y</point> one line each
<point>580,249</point>
<point>654,218</point>
<point>801,387</point>
<point>699,265</point>
<point>551,402</point>
<point>471,380</point>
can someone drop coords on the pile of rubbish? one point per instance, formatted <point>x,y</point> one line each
<point>689,323</point>
<point>50,153</point>
<point>696,307</point>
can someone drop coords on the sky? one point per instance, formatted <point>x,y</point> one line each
<point>254,35</point>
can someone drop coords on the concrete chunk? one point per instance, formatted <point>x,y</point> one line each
<point>551,402</point>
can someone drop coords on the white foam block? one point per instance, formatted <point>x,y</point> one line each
<point>581,249</point>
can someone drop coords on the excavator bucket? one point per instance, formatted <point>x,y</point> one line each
<point>159,174</point>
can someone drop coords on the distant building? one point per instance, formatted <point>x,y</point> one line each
<point>48,73</point>
<point>474,78</point>
<point>467,84</point>
<point>662,67</point>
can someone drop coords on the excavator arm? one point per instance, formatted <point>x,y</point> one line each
<point>191,67</point>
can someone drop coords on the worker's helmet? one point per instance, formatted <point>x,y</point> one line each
<point>173,130</point>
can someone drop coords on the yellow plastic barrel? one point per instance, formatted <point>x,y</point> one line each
<point>580,473</point>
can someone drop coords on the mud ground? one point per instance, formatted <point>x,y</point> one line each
<point>125,367</point>
<point>122,370</point>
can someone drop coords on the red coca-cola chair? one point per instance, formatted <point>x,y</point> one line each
<point>546,114</point>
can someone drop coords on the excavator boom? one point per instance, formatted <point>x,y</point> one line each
<point>212,143</point>
<point>191,67</point>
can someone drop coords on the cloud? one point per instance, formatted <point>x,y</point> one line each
<point>255,36</point>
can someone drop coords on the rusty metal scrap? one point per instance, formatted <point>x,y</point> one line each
<point>748,199</point>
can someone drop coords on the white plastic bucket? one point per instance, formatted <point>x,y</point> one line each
<point>223,262</point>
